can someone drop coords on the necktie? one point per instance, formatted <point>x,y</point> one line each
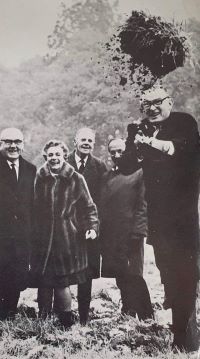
<point>82,166</point>
<point>13,173</point>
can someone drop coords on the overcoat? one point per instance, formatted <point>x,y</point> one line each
<point>123,223</point>
<point>172,182</point>
<point>64,210</point>
<point>16,214</point>
<point>93,174</point>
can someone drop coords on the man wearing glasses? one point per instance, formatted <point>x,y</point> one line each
<point>16,203</point>
<point>168,146</point>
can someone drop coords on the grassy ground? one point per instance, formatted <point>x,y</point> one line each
<point>108,335</point>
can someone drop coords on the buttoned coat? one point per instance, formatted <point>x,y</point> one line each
<point>64,211</point>
<point>16,214</point>
<point>123,223</point>
<point>93,174</point>
<point>172,190</point>
<point>172,181</point>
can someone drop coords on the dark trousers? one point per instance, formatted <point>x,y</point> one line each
<point>84,299</point>
<point>135,296</point>
<point>85,289</point>
<point>184,320</point>
<point>179,274</point>
<point>8,303</point>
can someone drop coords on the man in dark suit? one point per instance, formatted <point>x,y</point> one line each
<point>92,169</point>
<point>16,203</point>
<point>169,148</point>
<point>123,221</point>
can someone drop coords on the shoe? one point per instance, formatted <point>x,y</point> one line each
<point>67,319</point>
<point>11,315</point>
<point>43,314</point>
<point>125,311</point>
<point>83,319</point>
<point>84,316</point>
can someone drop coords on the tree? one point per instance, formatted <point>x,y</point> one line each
<point>92,16</point>
<point>52,99</point>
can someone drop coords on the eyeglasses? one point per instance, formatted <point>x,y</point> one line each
<point>156,103</point>
<point>10,142</point>
<point>114,152</point>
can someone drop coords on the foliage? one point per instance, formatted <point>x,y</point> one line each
<point>93,15</point>
<point>52,99</point>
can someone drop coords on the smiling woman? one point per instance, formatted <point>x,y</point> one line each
<point>65,217</point>
<point>55,153</point>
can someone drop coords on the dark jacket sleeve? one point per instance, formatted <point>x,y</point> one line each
<point>87,208</point>
<point>186,139</point>
<point>32,211</point>
<point>129,161</point>
<point>103,168</point>
<point>37,209</point>
<point>139,228</point>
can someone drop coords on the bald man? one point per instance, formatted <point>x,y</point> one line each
<point>16,203</point>
<point>169,149</point>
<point>123,226</point>
<point>92,168</point>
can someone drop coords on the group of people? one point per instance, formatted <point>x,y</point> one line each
<point>56,222</point>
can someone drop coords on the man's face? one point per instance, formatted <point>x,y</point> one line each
<point>12,144</point>
<point>55,158</point>
<point>157,105</point>
<point>84,142</point>
<point>116,149</point>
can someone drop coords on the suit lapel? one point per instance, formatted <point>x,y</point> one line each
<point>22,173</point>
<point>72,161</point>
<point>6,175</point>
<point>89,165</point>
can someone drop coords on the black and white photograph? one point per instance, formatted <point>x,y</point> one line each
<point>99,179</point>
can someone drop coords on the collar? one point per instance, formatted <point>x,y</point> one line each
<point>78,159</point>
<point>66,171</point>
<point>16,163</point>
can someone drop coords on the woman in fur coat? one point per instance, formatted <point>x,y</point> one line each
<point>66,217</point>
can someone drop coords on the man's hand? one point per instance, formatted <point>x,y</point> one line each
<point>140,138</point>
<point>161,145</point>
<point>90,234</point>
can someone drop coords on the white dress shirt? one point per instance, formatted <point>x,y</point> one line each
<point>79,160</point>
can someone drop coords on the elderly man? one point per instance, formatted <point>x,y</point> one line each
<point>123,228</point>
<point>168,145</point>
<point>92,168</point>
<point>16,203</point>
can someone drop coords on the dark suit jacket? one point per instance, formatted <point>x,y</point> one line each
<point>16,214</point>
<point>172,182</point>
<point>123,223</point>
<point>93,173</point>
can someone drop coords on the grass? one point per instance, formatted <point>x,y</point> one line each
<point>108,335</point>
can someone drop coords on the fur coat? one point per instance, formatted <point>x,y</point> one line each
<point>64,211</point>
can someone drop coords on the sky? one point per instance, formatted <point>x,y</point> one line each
<point>25,24</point>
